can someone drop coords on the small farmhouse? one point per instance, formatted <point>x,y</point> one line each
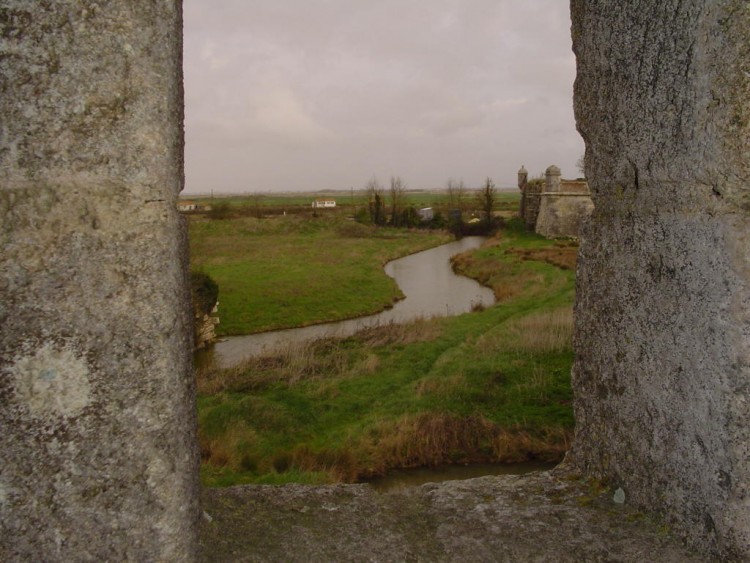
<point>324,203</point>
<point>426,214</point>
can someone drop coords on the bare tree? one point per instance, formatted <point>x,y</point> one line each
<point>486,197</point>
<point>255,205</point>
<point>456,193</point>
<point>398,195</point>
<point>375,201</point>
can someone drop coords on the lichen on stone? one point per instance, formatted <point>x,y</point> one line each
<point>52,381</point>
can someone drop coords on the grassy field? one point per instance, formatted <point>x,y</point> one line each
<point>493,385</point>
<point>425,198</point>
<point>288,271</point>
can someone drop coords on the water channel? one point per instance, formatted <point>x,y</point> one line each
<point>426,278</point>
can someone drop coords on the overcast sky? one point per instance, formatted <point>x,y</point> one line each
<point>302,95</point>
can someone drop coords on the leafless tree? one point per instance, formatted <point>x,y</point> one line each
<point>255,205</point>
<point>398,195</point>
<point>456,193</point>
<point>375,201</point>
<point>486,197</point>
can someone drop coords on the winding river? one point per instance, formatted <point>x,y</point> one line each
<point>426,278</point>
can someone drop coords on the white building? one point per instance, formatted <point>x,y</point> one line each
<point>324,203</point>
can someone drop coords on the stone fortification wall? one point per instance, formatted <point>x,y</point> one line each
<point>96,400</point>
<point>564,205</point>
<point>662,372</point>
<point>562,214</point>
<point>531,200</point>
<point>205,329</point>
<point>555,207</point>
<point>575,187</point>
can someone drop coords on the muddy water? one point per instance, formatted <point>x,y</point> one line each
<point>426,279</point>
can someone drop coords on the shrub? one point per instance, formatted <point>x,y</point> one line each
<point>220,210</point>
<point>205,292</point>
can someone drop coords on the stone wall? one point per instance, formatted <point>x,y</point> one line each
<point>531,198</point>
<point>96,395</point>
<point>556,207</point>
<point>575,187</point>
<point>204,329</point>
<point>562,214</point>
<point>662,373</point>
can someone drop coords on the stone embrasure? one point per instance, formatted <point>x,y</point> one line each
<point>550,516</point>
<point>662,99</point>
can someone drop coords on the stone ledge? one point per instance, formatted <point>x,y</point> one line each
<point>545,516</point>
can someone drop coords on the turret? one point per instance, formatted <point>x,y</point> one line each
<point>523,178</point>
<point>552,179</point>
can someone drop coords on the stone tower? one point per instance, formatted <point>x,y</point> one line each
<point>564,205</point>
<point>523,178</point>
<point>552,178</point>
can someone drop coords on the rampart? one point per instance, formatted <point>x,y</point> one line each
<point>556,207</point>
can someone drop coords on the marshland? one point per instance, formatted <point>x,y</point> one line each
<point>489,386</point>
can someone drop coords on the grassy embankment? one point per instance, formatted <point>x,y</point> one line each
<point>294,271</point>
<point>487,386</point>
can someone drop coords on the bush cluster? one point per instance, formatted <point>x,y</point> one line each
<point>205,292</point>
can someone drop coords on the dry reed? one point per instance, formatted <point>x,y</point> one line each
<point>227,450</point>
<point>434,438</point>
<point>323,358</point>
<point>390,334</point>
<point>549,331</point>
<point>564,257</point>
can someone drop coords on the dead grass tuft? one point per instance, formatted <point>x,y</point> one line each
<point>323,358</point>
<point>431,439</point>
<point>352,229</point>
<point>340,464</point>
<point>562,256</point>
<point>435,438</point>
<point>440,386</point>
<point>419,330</point>
<point>548,444</point>
<point>227,450</point>
<point>549,331</point>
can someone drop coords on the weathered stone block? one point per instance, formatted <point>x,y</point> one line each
<point>562,214</point>
<point>662,374</point>
<point>96,393</point>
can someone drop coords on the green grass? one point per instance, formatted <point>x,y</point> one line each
<point>426,198</point>
<point>486,386</point>
<point>292,271</point>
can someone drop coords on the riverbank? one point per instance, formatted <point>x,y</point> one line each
<point>430,288</point>
<point>291,271</point>
<point>487,386</point>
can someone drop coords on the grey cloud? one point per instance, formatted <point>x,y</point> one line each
<point>303,95</point>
